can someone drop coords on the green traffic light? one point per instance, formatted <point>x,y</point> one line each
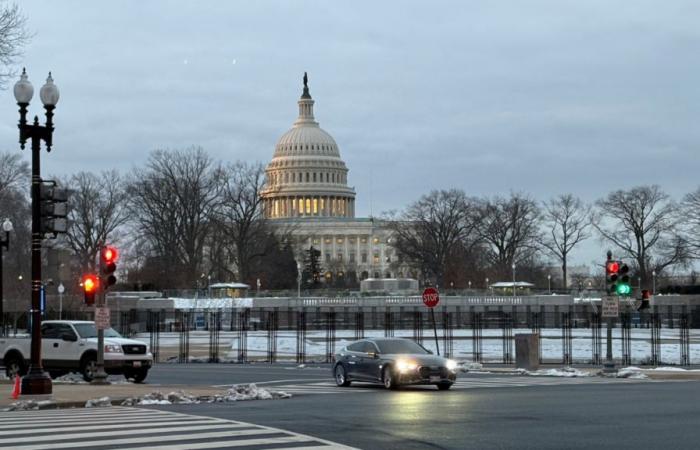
<point>623,289</point>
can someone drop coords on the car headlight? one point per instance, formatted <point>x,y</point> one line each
<point>405,366</point>
<point>113,349</point>
<point>451,365</point>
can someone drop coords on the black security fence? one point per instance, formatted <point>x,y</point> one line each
<point>568,335</point>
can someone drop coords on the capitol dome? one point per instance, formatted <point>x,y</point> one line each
<point>307,177</point>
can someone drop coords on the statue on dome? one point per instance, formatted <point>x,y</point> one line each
<point>306,80</point>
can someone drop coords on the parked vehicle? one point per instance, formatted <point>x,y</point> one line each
<point>392,362</point>
<point>71,346</point>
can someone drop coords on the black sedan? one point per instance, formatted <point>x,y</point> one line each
<point>392,362</point>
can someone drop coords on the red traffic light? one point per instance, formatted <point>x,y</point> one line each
<point>109,254</point>
<point>646,295</point>
<point>612,267</point>
<point>90,283</point>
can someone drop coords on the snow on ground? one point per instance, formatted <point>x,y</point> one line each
<point>492,344</point>
<point>630,372</point>
<point>76,378</point>
<point>239,392</point>
<point>567,372</point>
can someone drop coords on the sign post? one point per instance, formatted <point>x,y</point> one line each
<point>610,309</point>
<point>431,298</point>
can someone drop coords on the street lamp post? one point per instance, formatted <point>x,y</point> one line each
<point>549,283</point>
<point>4,243</point>
<point>513,267</point>
<point>653,282</point>
<point>36,382</point>
<point>61,289</point>
<point>487,286</point>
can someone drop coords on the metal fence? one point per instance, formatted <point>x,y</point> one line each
<point>568,335</point>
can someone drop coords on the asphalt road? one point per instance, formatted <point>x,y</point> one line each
<point>622,415</point>
<point>228,374</point>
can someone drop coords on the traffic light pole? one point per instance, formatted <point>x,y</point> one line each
<point>609,365</point>
<point>100,374</point>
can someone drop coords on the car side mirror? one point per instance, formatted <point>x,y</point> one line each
<point>373,355</point>
<point>69,337</point>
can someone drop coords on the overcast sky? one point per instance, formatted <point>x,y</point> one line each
<point>543,97</point>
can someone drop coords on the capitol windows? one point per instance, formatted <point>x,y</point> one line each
<point>286,177</point>
<point>315,206</point>
<point>339,240</point>
<point>351,240</point>
<point>364,257</point>
<point>328,177</point>
<point>375,240</point>
<point>323,204</point>
<point>314,177</point>
<point>340,256</point>
<point>307,177</point>
<point>387,257</point>
<point>308,205</point>
<point>277,208</point>
<point>328,257</point>
<point>315,241</point>
<point>363,240</point>
<point>352,257</point>
<point>328,240</point>
<point>301,206</point>
<point>375,258</point>
<point>333,177</point>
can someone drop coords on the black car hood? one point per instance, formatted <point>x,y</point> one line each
<point>421,360</point>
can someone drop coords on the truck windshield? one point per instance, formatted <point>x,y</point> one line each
<point>88,330</point>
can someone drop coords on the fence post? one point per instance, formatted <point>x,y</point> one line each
<point>301,336</point>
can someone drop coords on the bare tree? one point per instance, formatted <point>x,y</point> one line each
<point>642,222</point>
<point>567,221</point>
<point>691,211</point>
<point>240,221</point>
<point>431,231</point>
<point>509,230</point>
<point>13,36</point>
<point>172,201</point>
<point>96,210</point>
<point>14,173</point>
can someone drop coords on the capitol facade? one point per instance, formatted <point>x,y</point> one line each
<point>306,193</point>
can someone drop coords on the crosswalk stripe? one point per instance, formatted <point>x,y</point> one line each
<point>120,425</point>
<point>153,429</point>
<point>143,440</point>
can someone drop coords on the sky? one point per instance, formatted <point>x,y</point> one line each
<point>542,97</point>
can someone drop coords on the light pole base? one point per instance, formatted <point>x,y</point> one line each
<point>37,382</point>
<point>609,367</point>
<point>100,378</point>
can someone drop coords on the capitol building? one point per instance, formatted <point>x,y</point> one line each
<point>306,192</point>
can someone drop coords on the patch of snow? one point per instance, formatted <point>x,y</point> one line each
<point>470,366</point>
<point>631,372</point>
<point>70,378</point>
<point>239,392</point>
<point>567,372</point>
<point>3,377</point>
<point>101,402</point>
<point>28,405</point>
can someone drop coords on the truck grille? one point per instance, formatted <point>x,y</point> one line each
<point>134,349</point>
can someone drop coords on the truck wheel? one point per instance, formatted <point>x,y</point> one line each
<point>88,367</point>
<point>138,375</point>
<point>14,366</point>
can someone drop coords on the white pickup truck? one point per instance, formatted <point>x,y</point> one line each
<point>71,346</point>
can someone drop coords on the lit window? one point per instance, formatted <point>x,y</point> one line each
<point>375,240</point>
<point>315,241</point>
<point>340,256</point>
<point>328,240</point>
<point>363,240</point>
<point>339,240</point>
<point>308,205</point>
<point>375,258</point>
<point>301,206</point>
<point>315,206</point>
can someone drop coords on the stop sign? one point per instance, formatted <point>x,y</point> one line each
<point>431,297</point>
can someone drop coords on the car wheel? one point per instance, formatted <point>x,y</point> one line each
<point>14,366</point>
<point>341,376</point>
<point>444,386</point>
<point>388,379</point>
<point>137,375</point>
<point>88,368</point>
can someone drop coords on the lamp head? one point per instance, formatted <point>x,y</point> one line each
<point>7,226</point>
<point>49,92</point>
<point>24,91</point>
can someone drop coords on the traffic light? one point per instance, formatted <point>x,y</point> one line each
<point>108,263</point>
<point>623,287</point>
<point>54,208</point>
<point>612,273</point>
<point>645,300</point>
<point>90,283</point>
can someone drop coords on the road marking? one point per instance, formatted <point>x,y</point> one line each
<point>133,428</point>
<point>268,382</point>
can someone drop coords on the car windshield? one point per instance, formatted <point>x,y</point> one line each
<point>400,346</point>
<point>88,330</point>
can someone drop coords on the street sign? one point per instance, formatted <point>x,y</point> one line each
<point>431,297</point>
<point>610,307</point>
<point>102,319</point>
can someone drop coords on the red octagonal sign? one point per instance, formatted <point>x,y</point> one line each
<point>431,297</point>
